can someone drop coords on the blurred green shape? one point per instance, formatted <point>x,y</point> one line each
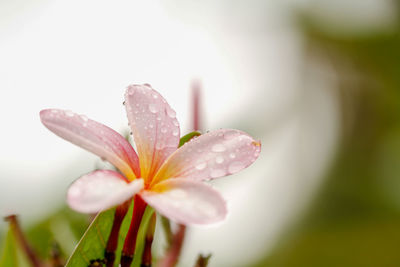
<point>93,243</point>
<point>354,220</point>
<point>187,137</point>
<point>9,253</point>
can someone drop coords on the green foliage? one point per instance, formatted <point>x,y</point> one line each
<point>93,242</point>
<point>187,137</point>
<point>9,254</point>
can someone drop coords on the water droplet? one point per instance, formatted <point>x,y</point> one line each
<point>218,148</point>
<point>177,193</point>
<point>235,166</point>
<point>232,155</point>
<point>155,96</point>
<point>151,126</point>
<point>130,91</point>
<point>219,159</point>
<point>217,173</point>
<point>159,146</point>
<point>201,166</point>
<point>164,130</point>
<point>69,113</point>
<point>159,118</point>
<point>153,108</point>
<point>175,122</point>
<point>84,118</point>
<point>175,132</point>
<point>170,112</point>
<point>230,134</point>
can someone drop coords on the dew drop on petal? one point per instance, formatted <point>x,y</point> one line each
<point>164,130</point>
<point>217,173</point>
<point>175,122</point>
<point>235,166</point>
<point>171,113</point>
<point>155,96</point>
<point>84,118</point>
<point>218,148</point>
<point>177,193</point>
<point>230,134</point>
<point>151,126</point>
<point>175,132</point>
<point>153,108</point>
<point>74,191</point>
<point>201,166</point>
<point>219,159</point>
<point>232,155</point>
<point>69,113</point>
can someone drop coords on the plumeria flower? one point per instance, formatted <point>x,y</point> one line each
<point>167,178</point>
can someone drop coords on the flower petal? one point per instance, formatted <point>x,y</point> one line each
<point>95,137</point>
<point>187,201</point>
<point>154,126</point>
<point>100,190</point>
<point>211,155</point>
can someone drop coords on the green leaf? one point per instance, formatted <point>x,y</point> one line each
<point>9,254</point>
<point>187,137</point>
<point>93,242</point>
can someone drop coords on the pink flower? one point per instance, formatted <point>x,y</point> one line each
<point>167,178</point>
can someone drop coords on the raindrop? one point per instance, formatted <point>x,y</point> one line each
<point>235,166</point>
<point>219,159</point>
<point>175,122</point>
<point>171,113</point>
<point>153,108</point>
<point>159,118</point>
<point>201,166</point>
<point>175,132</point>
<point>217,173</point>
<point>230,134</point>
<point>84,118</point>
<point>164,130</point>
<point>159,146</point>
<point>151,126</point>
<point>232,155</point>
<point>155,96</point>
<point>218,148</point>
<point>69,113</point>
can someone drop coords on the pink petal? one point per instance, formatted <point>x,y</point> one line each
<point>186,201</point>
<point>211,155</point>
<point>154,126</point>
<point>95,137</point>
<point>100,190</point>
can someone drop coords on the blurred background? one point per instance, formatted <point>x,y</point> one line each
<point>317,81</point>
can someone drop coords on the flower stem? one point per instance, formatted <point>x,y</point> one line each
<point>196,88</point>
<point>202,261</point>
<point>112,243</point>
<point>130,241</point>
<point>172,256</point>
<point>16,229</point>
<point>146,257</point>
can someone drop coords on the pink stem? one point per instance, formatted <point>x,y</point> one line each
<point>128,250</point>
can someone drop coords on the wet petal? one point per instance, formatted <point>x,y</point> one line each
<point>95,137</point>
<point>186,201</point>
<point>211,155</point>
<point>154,126</point>
<point>100,190</point>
